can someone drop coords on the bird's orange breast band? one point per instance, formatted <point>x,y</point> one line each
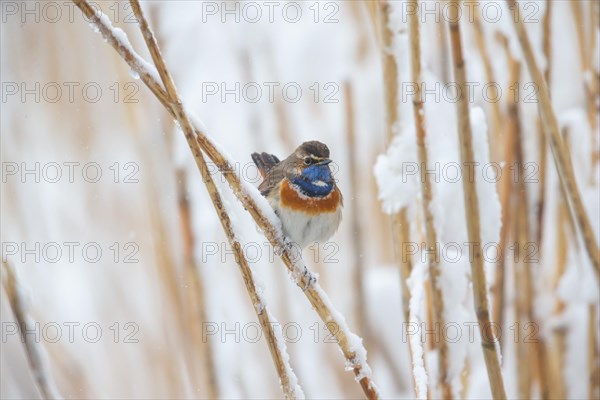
<point>290,198</point>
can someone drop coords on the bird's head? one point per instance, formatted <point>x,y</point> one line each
<point>308,169</point>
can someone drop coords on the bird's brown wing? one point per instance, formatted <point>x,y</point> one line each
<point>272,179</point>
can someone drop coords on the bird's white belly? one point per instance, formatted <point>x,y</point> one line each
<point>303,229</point>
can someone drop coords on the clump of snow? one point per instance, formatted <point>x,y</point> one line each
<point>355,344</point>
<point>396,172</point>
<point>489,203</point>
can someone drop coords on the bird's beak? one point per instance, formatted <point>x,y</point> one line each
<point>324,161</point>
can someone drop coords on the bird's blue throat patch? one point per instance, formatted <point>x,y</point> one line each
<point>315,181</point>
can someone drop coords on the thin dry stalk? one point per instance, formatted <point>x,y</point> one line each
<point>354,353</point>
<point>543,149</point>
<point>488,339</point>
<point>35,357</point>
<point>594,83</point>
<point>373,9</point>
<point>430,234</point>
<point>358,270</point>
<point>444,56</point>
<point>586,52</point>
<point>194,298</point>
<point>506,188</point>
<point>538,346</point>
<point>464,379</point>
<point>390,70</point>
<point>561,158</point>
<point>525,292</point>
<point>287,379</point>
<point>401,234</point>
<point>557,356</point>
<point>169,279</point>
<point>593,361</point>
<point>519,222</point>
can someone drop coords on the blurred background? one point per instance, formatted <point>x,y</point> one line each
<point>128,282</point>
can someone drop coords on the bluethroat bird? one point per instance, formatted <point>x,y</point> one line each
<point>302,191</point>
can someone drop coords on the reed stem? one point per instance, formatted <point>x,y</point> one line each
<point>430,234</point>
<point>488,339</point>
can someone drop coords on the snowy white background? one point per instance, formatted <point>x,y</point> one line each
<point>203,52</point>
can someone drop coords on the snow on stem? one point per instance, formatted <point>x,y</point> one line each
<point>488,339</point>
<point>251,199</point>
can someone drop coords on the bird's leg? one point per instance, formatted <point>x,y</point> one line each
<point>288,246</point>
<point>309,277</point>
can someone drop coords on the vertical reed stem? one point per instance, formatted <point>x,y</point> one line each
<point>543,147</point>
<point>488,339</point>
<point>431,236</point>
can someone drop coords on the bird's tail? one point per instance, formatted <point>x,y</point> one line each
<point>264,162</point>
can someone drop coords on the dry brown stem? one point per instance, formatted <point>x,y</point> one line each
<point>542,155</point>
<point>401,234</point>
<point>430,234</point>
<point>593,361</point>
<point>525,291</point>
<point>586,52</point>
<point>488,338</point>
<point>506,188</point>
<point>198,141</point>
<point>559,334</point>
<point>390,70</point>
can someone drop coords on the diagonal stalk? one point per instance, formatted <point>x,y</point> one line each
<point>350,344</point>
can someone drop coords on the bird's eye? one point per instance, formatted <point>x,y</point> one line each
<point>307,160</point>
